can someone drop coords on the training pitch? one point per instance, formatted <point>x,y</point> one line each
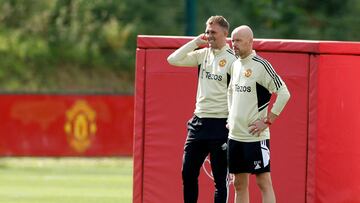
<point>65,180</point>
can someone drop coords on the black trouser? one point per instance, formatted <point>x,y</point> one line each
<point>196,151</point>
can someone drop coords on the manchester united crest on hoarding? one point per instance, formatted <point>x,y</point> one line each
<point>80,125</point>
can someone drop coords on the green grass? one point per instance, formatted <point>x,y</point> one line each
<point>65,180</point>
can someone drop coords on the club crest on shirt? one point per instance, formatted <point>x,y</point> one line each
<point>248,73</point>
<point>222,63</point>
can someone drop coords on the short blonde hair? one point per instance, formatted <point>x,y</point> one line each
<point>220,20</point>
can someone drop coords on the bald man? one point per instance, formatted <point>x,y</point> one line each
<point>253,82</point>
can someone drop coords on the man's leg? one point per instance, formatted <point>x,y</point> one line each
<point>218,160</point>
<point>264,182</point>
<point>240,164</point>
<point>193,158</point>
<point>241,184</point>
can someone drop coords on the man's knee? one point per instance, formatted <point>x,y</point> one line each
<point>241,182</point>
<point>189,174</point>
<point>239,186</point>
<point>264,181</point>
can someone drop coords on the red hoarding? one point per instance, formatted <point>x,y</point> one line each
<point>167,97</point>
<point>66,125</point>
<point>313,143</point>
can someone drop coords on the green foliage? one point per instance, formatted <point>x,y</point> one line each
<point>40,38</point>
<point>295,19</point>
<point>90,33</point>
<point>89,45</point>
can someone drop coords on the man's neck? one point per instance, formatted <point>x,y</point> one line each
<point>246,54</point>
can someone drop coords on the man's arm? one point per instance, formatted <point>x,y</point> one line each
<point>185,55</point>
<point>273,82</point>
<point>283,96</point>
<point>276,85</point>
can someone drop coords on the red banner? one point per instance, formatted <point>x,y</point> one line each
<point>66,125</point>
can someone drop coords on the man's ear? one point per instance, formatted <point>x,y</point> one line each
<point>251,40</point>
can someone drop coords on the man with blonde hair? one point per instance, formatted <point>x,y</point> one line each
<point>207,134</point>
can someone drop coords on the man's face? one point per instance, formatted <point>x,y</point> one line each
<point>216,35</point>
<point>241,44</point>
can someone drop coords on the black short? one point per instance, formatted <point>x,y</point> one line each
<point>249,157</point>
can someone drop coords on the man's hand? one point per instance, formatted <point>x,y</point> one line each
<point>257,127</point>
<point>201,40</point>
